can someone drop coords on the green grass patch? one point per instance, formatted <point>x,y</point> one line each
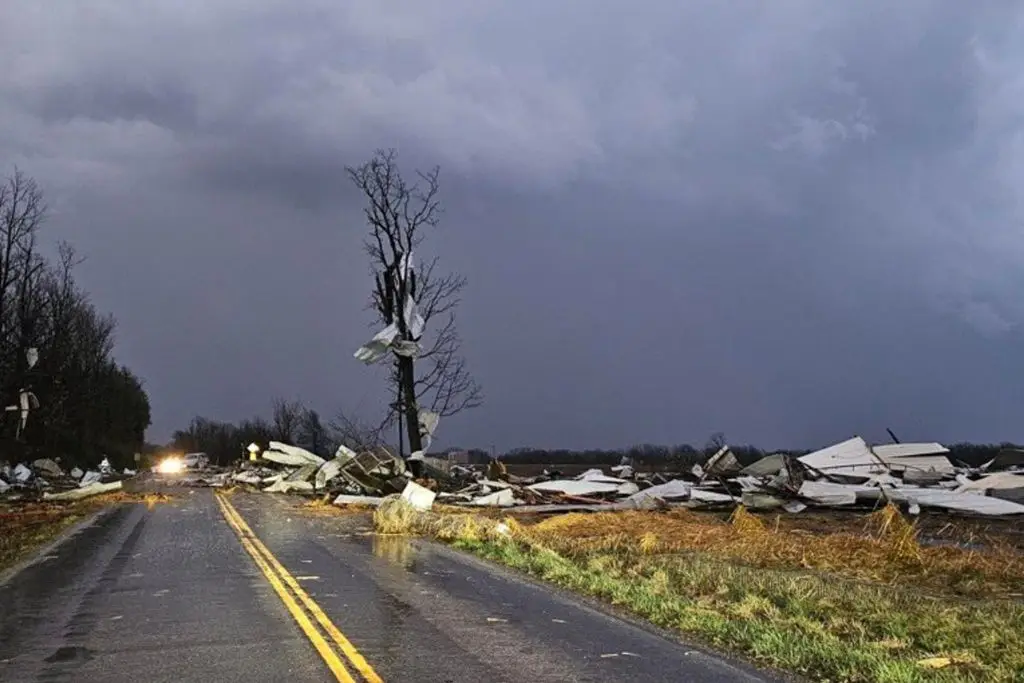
<point>822,625</point>
<point>819,627</point>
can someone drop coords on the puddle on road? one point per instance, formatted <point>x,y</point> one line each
<point>397,550</point>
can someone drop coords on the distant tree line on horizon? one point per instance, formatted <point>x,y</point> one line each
<point>685,455</point>
<point>293,423</point>
<point>290,421</point>
<point>83,405</point>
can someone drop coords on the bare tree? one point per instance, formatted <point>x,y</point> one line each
<point>254,430</point>
<point>287,420</point>
<point>400,215</point>
<point>22,210</point>
<point>358,434</point>
<point>715,443</point>
<point>313,435</point>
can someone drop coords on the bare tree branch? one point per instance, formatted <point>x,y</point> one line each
<point>400,215</point>
<point>89,405</point>
<point>357,434</point>
<point>287,419</point>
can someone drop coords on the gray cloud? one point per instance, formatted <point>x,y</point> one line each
<point>791,221</point>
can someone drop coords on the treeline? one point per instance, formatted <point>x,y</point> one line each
<point>56,351</point>
<point>293,423</point>
<point>685,455</point>
<point>290,422</point>
<point>648,455</point>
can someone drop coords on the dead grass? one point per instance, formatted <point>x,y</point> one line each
<point>395,516</point>
<point>25,527</point>
<point>885,549</point>
<point>859,614</point>
<point>150,500</point>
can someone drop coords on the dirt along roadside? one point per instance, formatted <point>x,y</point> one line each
<point>26,527</point>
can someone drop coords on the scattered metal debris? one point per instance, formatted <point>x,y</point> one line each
<point>845,475</point>
<point>84,491</point>
<point>850,473</point>
<point>45,479</point>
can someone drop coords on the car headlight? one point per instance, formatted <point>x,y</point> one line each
<point>171,465</point>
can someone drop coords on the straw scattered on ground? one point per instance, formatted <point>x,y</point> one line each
<point>885,548</point>
<point>27,526</point>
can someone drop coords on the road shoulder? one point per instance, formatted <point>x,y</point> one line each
<point>51,547</point>
<point>603,609</point>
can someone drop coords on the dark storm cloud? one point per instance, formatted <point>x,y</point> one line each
<point>167,106</point>
<point>791,221</point>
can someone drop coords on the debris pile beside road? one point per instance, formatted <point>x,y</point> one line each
<point>45,479</point>
<point>283,468</point>
<point>846,475</point>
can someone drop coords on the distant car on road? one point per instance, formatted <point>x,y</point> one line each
<point>173,464</point>
<point>196,461</point>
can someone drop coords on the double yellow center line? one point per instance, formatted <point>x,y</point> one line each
<point>327,639</point>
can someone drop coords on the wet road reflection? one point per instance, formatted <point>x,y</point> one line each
<point>423,612</point>
<point>398,550</point>
<point>170,594</point>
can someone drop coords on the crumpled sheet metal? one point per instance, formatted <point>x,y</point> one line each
<point>348,499</point>
<point>328,471</point>
<point>285,486</point>
<point>954,501</point>
<point>845,474</point>
<point>573,487</point>
<point>82,492</point>
<point>285,454</point>
<point>722,464</point>
<point>829,494</point>
<point>419,497</point>
<point>45,477</point>
<point>674,490</point>
<point>377,348</point>
<point>47,467</point>
<point>22,473</point>
<point>501,498</point>
<point>290,469</point>
<point>389,338</point>
<point>989,482</point>
<point>848,457</point>
<point>247,477</point>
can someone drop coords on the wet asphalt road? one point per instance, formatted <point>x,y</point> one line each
<point>169,594</point>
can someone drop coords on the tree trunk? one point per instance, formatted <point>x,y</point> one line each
<point>412,421</point>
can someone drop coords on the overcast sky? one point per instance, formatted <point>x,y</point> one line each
<point>790,221</point>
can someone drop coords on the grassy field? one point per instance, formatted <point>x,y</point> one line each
<point>866,601</point>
